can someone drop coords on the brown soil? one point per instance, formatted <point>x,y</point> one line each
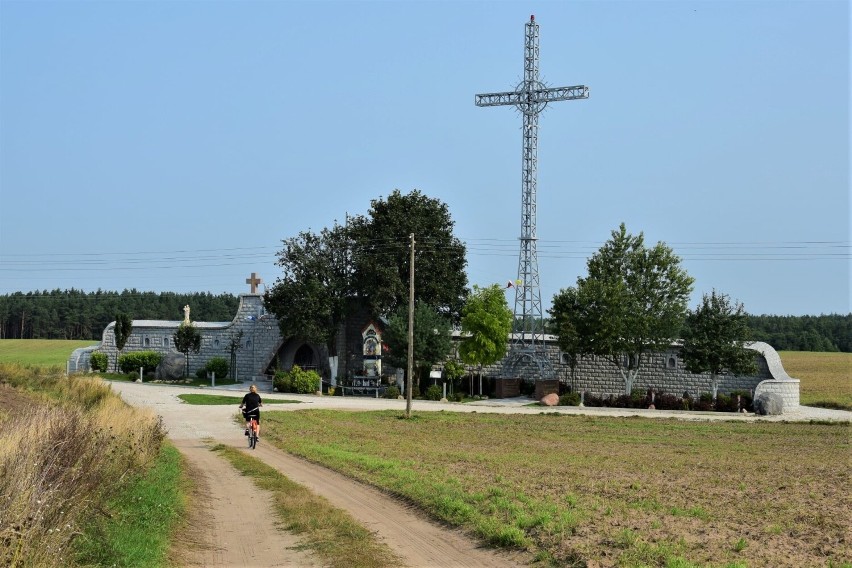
<point>221,493</point>
<point>230,522</point>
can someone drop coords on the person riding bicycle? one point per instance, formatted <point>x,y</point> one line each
<point>251,408</point>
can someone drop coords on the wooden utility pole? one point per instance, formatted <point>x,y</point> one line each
<point>410,377</point>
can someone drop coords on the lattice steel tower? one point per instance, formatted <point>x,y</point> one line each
<point>530,97</point>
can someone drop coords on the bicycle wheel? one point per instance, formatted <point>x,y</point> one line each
<point>253,435</point>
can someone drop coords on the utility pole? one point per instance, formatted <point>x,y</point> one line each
<point>410,377</point>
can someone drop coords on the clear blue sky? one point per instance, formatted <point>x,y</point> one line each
<point>171,146</point>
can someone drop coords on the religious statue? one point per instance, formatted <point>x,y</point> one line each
<point>186,314</point>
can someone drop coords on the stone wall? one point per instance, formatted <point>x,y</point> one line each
<point>664,372</point>
<point>258,345</point>
<point>261,341</point>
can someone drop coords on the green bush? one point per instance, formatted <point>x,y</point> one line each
<point>148,360</point>
<point>392,392</point>
<point>218,365</point>
<point>99,361</point>
<point>570,399</point>
<point>296,380</point>
<point>281,382</point>
<point>434,392</point>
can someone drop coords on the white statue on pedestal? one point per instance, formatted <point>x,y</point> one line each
<point>186,314</point>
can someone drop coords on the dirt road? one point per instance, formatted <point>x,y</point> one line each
<point>222,492</point>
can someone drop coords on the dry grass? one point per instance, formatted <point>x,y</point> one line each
<point>585,491</point>
<point>826,378</point>
<point>61,456</point>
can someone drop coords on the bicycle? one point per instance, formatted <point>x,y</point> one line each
<point>253,428</point>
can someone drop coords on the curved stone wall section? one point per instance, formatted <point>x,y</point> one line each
<point>779,382</point>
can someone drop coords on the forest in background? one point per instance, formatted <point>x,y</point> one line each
<point>75,314</point>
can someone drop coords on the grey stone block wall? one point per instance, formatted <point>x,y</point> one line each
<point>260,341</point>
<point>664,372</point>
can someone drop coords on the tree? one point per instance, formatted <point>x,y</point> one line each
<point>632,302</point>
<point>234,343</point>
<point>431,338</point>
<point>381,254</point>
<point>486,324</point>
<point>566,307</point>
<point>123,329</point>
<point>713,339</point>
<point>187,339</point>
<point>310,298</point>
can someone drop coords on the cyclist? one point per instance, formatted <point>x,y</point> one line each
<point>251,408</point>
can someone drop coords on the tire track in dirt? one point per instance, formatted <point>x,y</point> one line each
<point>234,520</point>
<point>419,541</point>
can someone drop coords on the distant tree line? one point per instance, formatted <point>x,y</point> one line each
<point>804,333</point>
<point>75,314</point>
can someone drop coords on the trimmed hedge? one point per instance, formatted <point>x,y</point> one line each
<point>130,362</point>
<point>99,361</point>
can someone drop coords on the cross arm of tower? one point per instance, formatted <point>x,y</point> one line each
<point>533,96</point>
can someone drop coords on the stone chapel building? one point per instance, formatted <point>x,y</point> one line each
<point>262,350</point>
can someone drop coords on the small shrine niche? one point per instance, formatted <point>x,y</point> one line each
<point>372,352</point>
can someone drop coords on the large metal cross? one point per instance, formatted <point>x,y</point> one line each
<point>530,97</point>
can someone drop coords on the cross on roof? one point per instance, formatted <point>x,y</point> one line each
<point>253,281</point>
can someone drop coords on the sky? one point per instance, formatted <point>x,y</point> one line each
<point>172,146</point>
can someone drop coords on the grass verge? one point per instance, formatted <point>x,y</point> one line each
<point>140,520</point>
<point>602,491</point>
<point>220,399</point>
<point>331,533</point>
<point>69,451</point>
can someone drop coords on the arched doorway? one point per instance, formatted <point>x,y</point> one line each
<point>304,357</point>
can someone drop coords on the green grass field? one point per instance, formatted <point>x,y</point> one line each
<point>579,490</point>
<point>46,352</point>
<point>826,378</point>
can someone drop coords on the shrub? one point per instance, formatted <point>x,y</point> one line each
<point>99,361</point>
<point>458,396</point>
<point>434,392</point>
<point>218,365</point>
<point>704,402</point>
<point>745,399</point>
<point>570,399</point>
<point>296,380</point>
<point>392,392</point>
<point>148,360</point>
<point>665,401</point>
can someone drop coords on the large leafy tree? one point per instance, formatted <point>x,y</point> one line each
<point>714,337</point>
<point>566,311</point>
<point>431,338</point>
<point>310,297</point>
<point>187,340</point>
<point>123,329</point>
<point>633,302</point>
<point>381,254</point>
<point>486,323</point>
